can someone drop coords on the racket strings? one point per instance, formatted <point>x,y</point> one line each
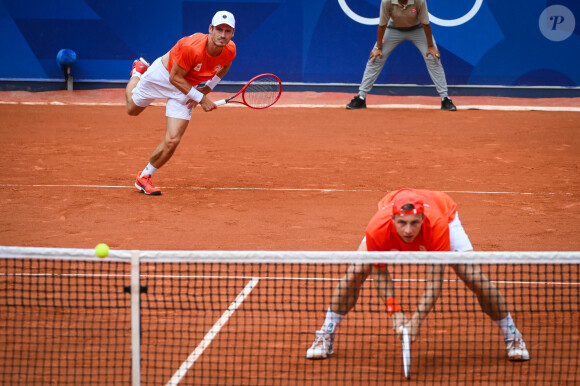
<point>262,92</point>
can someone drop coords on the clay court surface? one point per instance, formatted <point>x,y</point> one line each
<point>282,178</point>
<point>286,178</point>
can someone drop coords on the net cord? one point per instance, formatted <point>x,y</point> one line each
<point>281,257</point>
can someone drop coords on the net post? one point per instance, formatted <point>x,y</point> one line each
<point>135,320</point>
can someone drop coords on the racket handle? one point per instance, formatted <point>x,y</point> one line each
<point>220,102</point>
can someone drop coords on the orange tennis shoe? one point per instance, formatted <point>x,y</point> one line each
<point>140,65</point>
<point>145,185</point>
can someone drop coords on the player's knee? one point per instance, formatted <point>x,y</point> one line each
<point>133,110</point>
<point>357,273</point>
<point>171,143</point>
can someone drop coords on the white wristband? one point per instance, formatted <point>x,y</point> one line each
<point>213,82</point>
<point>195,95</point>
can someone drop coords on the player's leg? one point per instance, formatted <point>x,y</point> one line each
<point>434,66</point>
<point>392,39</point>
<point>488,295</point>
<point>348,288</point>
<point>493,304</point>
<point>163,152</point>
<point>140,66</point>
<point>344,298</point>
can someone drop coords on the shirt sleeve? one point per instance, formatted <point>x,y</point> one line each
<point>423,13</point>
<point>385,13</point>
<point>186,57</point>
<point>440,236</point>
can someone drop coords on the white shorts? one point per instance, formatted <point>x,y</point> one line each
<point>155,84</point>
<point>457,236</point>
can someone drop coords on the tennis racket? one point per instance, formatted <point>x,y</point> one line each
<point>406,353</point>
<point>259,93</point>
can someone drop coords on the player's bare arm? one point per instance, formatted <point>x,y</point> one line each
<point>177,78</point>
<point>431,49</point>
<point>435,273</point>
<point>378,50</point>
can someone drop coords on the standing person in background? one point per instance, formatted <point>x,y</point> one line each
<point>176,76</point>
<point>402,20</point>
<point>416,220</point>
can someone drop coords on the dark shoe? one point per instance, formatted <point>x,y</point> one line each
<point>357,103</point>
<point>447,105</point>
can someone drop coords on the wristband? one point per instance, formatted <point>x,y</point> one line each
<point>392,305</point>
<point>195,95</point>
<point>213,82</point>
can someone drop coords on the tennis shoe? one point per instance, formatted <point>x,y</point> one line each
<point>322,347</point>
<point>145,185</point>
<point>357,103</point>
<point>517,351</point>
<point>447,105</point>
<point>140,65</point>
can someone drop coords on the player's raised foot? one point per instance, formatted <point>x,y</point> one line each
<point>322,347</point>
<point>357,103</point>
<point>517,351</point>
<point>140,65</point>
<point>447,105</point>
<point>145,185</point>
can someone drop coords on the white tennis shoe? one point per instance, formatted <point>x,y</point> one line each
<point>322,347</point>
<point>517,351</point>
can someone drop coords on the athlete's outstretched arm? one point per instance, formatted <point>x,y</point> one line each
<point>435,273</point>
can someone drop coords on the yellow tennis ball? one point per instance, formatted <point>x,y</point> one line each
<point>102,250</point>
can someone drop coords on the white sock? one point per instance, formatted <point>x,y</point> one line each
<point>362,97</point>
<point>508,328</point>
<point>149,170</point>
<point>331,322</point>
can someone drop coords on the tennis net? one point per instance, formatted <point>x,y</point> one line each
<point>249,317</point>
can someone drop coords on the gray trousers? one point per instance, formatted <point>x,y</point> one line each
<point>392,39</point>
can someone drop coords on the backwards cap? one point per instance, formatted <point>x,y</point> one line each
<point>408,197</point>
<point>223,17</point>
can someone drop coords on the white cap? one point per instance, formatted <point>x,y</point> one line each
<point>223,17</point>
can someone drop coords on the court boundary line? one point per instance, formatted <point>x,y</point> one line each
<point>302,106</point>
<point>211,334</point>
<point>269,189</point>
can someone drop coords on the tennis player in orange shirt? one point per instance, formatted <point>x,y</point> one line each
<point>415,220</point>
<point>176,76</point>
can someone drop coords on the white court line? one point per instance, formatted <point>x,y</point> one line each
<point>273,278</point>
<point>340,106</point>
<point>268,189</point>
<point>180,373</point>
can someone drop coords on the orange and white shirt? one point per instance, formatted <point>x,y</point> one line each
<point>440,210</point>
<point>190,53</point>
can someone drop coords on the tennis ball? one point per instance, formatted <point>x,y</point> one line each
<point>102,250</point>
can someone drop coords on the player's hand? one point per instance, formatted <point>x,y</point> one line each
<point>413,328</point>
<point>207,104</point>
<point>399,320</point>
<point>434,52</point>
<point>191,104</point>
<point>204,90</point>
<point>374,53</point>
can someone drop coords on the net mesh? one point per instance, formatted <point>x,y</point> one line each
<point>249,318</point>
<point>262,92</point>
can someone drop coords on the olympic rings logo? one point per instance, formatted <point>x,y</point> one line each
<point>435,20</point>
